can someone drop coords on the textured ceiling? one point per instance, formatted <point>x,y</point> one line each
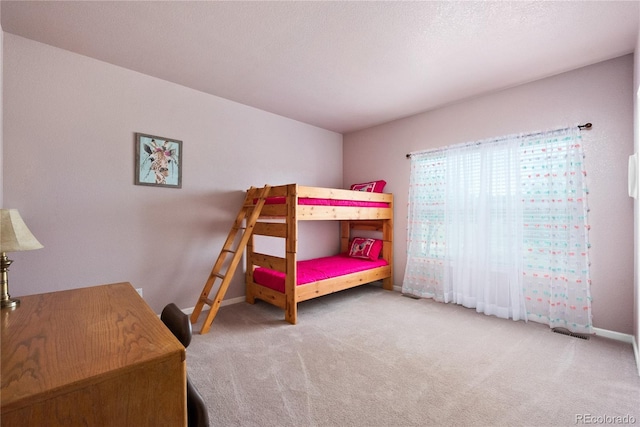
<point>342,66</point>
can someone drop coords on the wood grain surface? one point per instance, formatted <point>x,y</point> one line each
<point>90,356</point>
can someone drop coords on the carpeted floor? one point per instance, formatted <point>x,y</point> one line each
<point>370,357</point>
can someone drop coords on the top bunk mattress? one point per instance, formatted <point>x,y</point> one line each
<point>316,269</point>
<point>327,202</point>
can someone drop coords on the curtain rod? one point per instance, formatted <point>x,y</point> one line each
<point>581,127</point>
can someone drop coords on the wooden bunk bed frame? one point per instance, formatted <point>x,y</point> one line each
<point>288,215</point>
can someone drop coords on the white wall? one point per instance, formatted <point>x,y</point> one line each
<point>601,94</point>
<point>69,168</point>
<point>1,114</point>
<point>636,205</point>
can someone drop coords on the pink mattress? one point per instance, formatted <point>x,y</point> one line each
<point>327,202</point>
<point>316,269</point>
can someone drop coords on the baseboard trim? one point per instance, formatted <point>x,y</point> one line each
<point>636,351</point>
<point>224,303</point>
<point>605,333</point>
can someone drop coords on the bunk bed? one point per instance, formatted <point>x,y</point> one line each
<point>285,281</point>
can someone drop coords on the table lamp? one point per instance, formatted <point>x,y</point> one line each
<point>14,236</point>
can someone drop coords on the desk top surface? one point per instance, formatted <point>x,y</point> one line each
<point>62,340</point>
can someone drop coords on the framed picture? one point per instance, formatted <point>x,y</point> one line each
<point>158,161</point>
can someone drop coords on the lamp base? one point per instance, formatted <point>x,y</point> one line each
<point>9,303</point>
<point>5,299</point>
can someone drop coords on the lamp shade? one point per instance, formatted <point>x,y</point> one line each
<point>14,234</point>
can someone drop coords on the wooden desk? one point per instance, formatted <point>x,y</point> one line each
<point>95,356</point>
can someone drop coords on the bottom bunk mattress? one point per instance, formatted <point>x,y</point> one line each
<point>316,269</point>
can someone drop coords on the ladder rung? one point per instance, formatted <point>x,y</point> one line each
<point>258,199</point>
<point>229,251</point>
<point>209,301</point>
<point>218,275</point>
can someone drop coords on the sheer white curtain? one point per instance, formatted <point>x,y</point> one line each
<point>501,226</point>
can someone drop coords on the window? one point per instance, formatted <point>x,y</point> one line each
<point>501,226</point>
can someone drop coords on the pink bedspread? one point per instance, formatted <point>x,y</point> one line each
<point>316,269</point>
<point>327,202</point>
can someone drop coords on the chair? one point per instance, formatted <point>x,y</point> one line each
<point>179,324</point>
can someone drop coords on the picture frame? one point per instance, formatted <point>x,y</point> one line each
<point>158,161</point>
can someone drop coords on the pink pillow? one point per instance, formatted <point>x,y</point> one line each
<point>370,187</point>
<point>365,248</point>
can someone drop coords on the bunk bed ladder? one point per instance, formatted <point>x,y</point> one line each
<point>224,268</point>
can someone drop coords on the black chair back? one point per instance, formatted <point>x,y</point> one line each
<point>180,325</point>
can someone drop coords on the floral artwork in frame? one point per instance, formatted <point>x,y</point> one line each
<point>158,161</point>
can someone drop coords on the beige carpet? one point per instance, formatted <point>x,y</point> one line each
<point>369,357</point>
